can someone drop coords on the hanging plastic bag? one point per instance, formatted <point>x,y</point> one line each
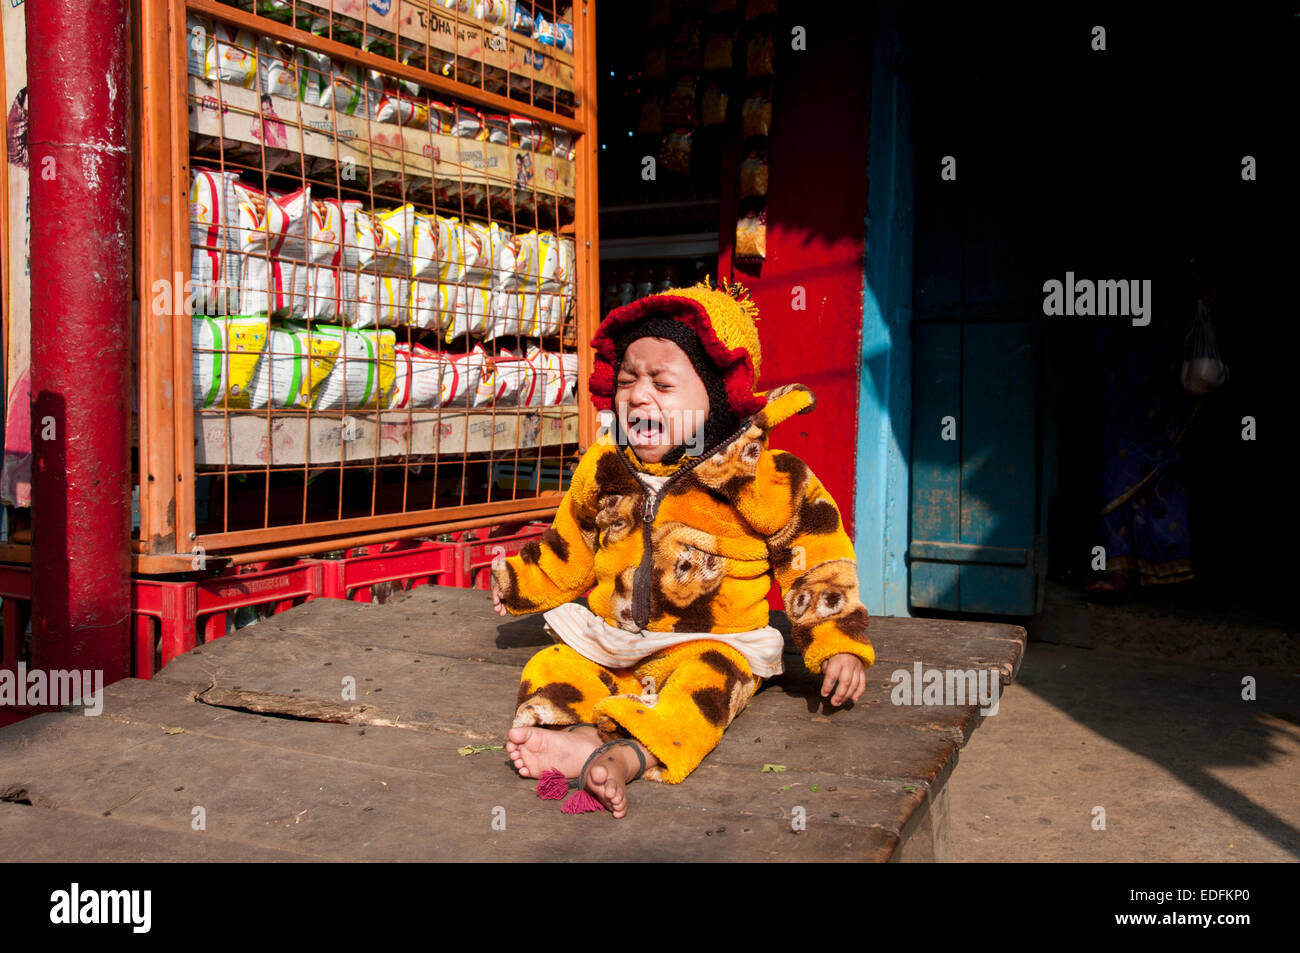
<point>1203,369</point>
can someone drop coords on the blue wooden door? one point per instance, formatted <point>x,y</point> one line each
<point>975,542</point>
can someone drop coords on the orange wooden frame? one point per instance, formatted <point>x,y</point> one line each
<point>163,385</point>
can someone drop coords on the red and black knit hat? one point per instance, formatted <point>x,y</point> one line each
<point>721,319</point>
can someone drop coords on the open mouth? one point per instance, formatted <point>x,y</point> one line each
<point>644,431</point>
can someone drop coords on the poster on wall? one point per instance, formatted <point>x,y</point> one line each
<point>16,476</point>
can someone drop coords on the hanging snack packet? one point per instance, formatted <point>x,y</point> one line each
<point>759,8</point>
<point>525,133</point>
<point>713,105</point>
<point>753,174</point>
<point>382,300</point>
<point>198,37</point>
<point>680,108</point>
<point>332,280</point>
<point>514,258</point>
<point>225,356</point>
<point>564,144</point>
<point>650,121</point>
<point>519,18</point>
<point>542,300</point>
<point>469,124</point>
<point>498,128</point>
<point>352,90</point>
<point>463,385</point>
<point>451,269</point>
<point>427,306</point>
<point>751,236</point>
<point>384,239</point>
<point>517,381</point>
<point>277,69</point>
<point>684,51</point>
<point>442,118</point>
<point>545,32</point>
<point>756,115</point>
<point>760,56</point>
<point>474,300</point>
<point>232,56</point>
<point>214,259</point>
<point>293,253</point>
<point>364,372</point>
<point>420,377</point>
<point>545,140</point>
<point>719,51</point>
<point>557,375</point>
<point>293,367</point>
<point>675,153</point>
<point>382,257</point>
<point>656,62</point>
<point>399,109</point>
<point>314,72</point>
<point>547,371</point>
<point>567,277</point>
<point>266,283</point>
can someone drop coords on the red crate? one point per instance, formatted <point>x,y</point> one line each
<point>180,607</point>
<point>473,557</point>
<point>412,562</point>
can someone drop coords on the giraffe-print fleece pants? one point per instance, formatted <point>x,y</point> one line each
<point>677,702</point>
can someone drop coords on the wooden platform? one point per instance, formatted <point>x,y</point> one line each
<point>253,729</point>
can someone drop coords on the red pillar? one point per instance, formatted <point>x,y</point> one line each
<point>78,140</point>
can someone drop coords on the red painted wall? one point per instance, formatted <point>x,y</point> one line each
<point>816,235</point>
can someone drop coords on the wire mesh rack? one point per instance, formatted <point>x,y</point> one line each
<point>383,217</point>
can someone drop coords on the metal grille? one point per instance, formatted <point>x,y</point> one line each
<point>382,276</point>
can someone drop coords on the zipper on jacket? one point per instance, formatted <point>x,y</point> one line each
<point>650,509</point>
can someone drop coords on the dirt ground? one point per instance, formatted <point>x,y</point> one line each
<point>1137,711</point>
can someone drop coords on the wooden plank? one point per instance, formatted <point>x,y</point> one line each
<point>449,631</point>
<point>160,259</point>
<point>587,214</point>
<point>306,787</point>
<point>31,835</point>
<point>427,663</point>
<point>445,620</point>
<point>295,439</point>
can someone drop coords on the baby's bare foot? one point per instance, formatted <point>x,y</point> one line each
<point>536,749</point>
<point>608,776</point>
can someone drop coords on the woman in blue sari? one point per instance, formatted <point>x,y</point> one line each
<point>1144,513</point>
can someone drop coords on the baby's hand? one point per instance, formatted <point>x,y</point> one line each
<point>497,605</point>
<point>847,675</point>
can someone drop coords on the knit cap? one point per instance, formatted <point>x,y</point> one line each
<point>713,326</point>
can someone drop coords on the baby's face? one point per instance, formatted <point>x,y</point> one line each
<point>660,400</point>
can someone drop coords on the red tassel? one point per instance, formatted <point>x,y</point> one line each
<point>580,802</point>
<point>552,785</point>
